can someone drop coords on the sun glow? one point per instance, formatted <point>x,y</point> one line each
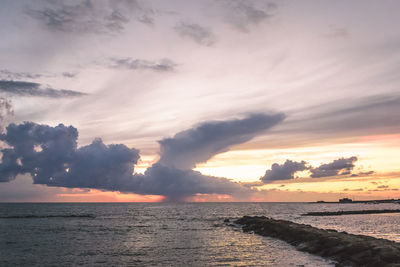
<point>378,153</point>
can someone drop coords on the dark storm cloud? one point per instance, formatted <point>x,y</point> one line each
<point>50,155</point>
<point>243,14</point>
<point>21,88</point>
<point>178,184</point>
<point>200,143</point>
<point>86,16</point>
<point>197,33</point>
<point>342,166</point>
<point>141,64</point>
<point>284,171</point>
<point>22,157</point>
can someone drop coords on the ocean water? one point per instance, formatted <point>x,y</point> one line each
<point>162,234</point>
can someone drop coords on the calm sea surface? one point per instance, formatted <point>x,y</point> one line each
<point>189,234</point>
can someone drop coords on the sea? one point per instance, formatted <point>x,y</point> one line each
<point>167,234</point>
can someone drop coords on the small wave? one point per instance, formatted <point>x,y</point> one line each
<point>47,216</point>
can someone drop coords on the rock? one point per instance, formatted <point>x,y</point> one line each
<point>226,220</point>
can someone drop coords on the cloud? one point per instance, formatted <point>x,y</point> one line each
<point>11,75</point>
<point>342,166</point>
<point>245,14</point>
<point>88,16</point>
<point>382,187</point>
<point>68,74</point>
<point>284,171</point>
<point>362,173</point>
<point>177,185</point>
<point>140,64</point>
<point>22,88</point>
<point>199,34</point>
<point>200,143</point>
<point>51,156</point>
<point>139,12</point>
<point>81,17</point>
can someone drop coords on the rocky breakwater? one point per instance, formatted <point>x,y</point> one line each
<point>348,212</point>
<point>346,249</point>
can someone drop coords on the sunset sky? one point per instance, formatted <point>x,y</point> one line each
<point>199,100</point>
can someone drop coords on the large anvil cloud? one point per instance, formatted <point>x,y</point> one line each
<point>51,156</point>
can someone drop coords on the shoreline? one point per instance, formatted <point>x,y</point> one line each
<point>344,248</point>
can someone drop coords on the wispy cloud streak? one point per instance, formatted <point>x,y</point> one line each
<point>21,88</point>
<point>141,64</point>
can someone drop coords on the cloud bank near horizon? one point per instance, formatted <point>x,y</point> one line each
<point>287,170</point>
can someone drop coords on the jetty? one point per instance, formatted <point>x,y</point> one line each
<point>346,249</point>
<point>348,212</point>
<point>351,201</point>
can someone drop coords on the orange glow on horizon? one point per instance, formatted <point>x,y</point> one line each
<point>94,195</point>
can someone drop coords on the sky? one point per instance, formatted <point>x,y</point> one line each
<point>236,100</point>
